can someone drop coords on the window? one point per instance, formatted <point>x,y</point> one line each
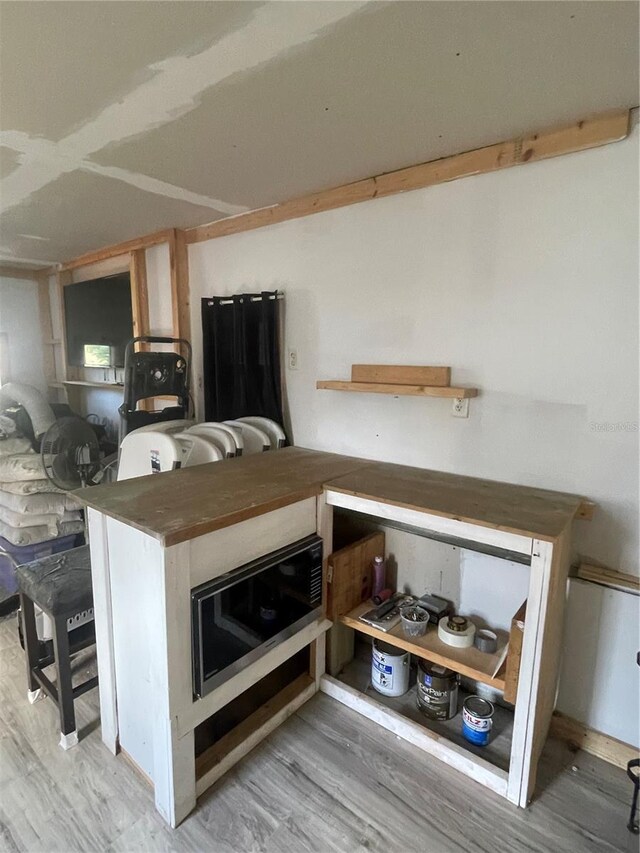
<point>97,355</point>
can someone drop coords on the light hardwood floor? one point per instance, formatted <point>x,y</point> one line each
<point>327,780</point>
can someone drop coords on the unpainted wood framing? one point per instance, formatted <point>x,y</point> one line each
<point>129,255</point>
<point>579,736</point>
<point>588,133</point>
<point>581,135</point>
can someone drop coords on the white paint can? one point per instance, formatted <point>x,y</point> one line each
<point>389,669</point>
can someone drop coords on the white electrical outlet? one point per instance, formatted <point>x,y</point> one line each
<point>292,359</point>
<point>460,407</point>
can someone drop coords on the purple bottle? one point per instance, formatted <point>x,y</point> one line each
<point>379,570</point>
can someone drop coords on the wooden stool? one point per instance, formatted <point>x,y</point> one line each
<point>61,586</point>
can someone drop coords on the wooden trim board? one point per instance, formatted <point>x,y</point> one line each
<point>581,135</point>
<point>119,249</point>
<point>579,736</point>
<point>609,578</point>
<point>179,270</point>
<point>139,293</point>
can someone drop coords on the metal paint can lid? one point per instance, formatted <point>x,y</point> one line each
<point>435,669</point>
<point>389,650</point>
<point>479,707</point>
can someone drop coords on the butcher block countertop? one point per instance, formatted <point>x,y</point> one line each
<point>176,506</point>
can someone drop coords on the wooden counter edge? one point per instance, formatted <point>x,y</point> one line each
<point>201,528</point>
<point>546,537</point>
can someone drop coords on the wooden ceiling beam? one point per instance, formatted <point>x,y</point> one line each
<point>119,249</point>
<point>589,133</point>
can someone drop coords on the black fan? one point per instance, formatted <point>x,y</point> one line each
<point>70,454</point>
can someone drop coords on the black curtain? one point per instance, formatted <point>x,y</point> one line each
<point>241,356</point>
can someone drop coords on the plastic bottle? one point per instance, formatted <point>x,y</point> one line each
<point>379,569</point>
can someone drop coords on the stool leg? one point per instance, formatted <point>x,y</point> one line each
<point>31,647</point>
<point>68,733</point>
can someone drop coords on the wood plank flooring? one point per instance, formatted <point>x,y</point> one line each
<point>327,781</point>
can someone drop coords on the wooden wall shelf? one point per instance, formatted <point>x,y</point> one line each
<point>399,380</point>
<point>470,662</point>
<point>397,390</point>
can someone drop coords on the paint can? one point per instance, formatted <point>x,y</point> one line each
<point>477,719</point>
<point>437,691</point>
<point>389,669</point>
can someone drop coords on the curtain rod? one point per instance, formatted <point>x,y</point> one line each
<point>251,299</point>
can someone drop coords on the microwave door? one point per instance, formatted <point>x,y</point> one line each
<point>243,614</point>
<point>229,625</point>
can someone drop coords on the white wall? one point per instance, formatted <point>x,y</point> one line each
<point>524,281</point>
<point>20,331</point>
<point>159,289</point>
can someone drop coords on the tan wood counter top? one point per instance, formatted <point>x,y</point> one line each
<point>179,505</point>
<point>524,510</point>
<point>176,506</point>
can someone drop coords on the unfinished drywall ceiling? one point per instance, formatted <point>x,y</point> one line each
<point>120,118</point>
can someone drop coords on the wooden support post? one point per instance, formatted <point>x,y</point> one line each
<point>139,293</point>
<point>46,330</point>
<point>179,264</point>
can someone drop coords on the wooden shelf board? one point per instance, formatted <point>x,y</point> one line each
<point>397,390</point>
<point>86,384</point>
<point>55,384</point>
<point>470,662</point>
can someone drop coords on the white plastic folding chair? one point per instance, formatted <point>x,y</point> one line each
<point>197,450</point>
<point>146,452</point>
<point>234,434</point>
<point>275,432</point>
<point>223,440</point>
<point>255,440</point>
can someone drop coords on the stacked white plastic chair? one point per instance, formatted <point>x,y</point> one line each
<point>273,430</point>
<point>180,444</point>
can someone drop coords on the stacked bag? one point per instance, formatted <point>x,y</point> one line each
<point>32,509</point>
<point>36,518</point>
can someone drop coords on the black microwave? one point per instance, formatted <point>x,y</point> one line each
<point>240,616</point>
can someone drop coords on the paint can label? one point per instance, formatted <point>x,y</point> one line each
<point>390,675</point>
<point>438,704</point>
<point>476,729</point>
